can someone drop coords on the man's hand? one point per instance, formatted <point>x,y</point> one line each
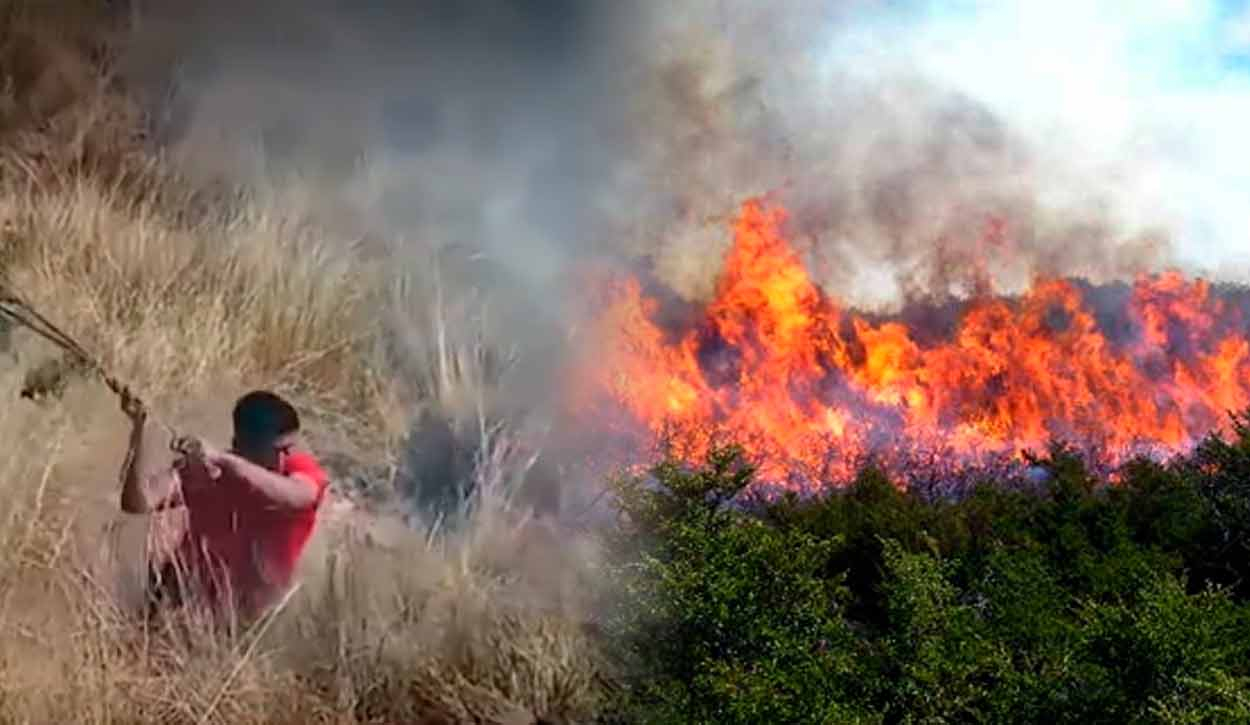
<point>133,407</point>
<point>136,497</point>
<point>197,457</point>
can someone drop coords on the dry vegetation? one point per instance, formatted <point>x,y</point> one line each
<point>191,297</point>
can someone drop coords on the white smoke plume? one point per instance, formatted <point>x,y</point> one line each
<point>1138,105</point>
<point>1106,136</point>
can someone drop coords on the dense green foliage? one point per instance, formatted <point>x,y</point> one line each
<point>1078,602</point>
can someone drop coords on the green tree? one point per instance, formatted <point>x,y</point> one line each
<point>939,665</point>
<point>1163,650</point>
<point>722,617</point>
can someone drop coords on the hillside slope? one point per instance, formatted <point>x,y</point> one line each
<point>191,293</point>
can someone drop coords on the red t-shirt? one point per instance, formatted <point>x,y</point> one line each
<point>241,548</point>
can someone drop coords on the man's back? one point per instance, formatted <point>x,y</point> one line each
<point>239,546</point>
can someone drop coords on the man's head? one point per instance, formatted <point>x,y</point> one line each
<point>265,428</point>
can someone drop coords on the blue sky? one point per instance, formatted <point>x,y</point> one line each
<point>1148,100</point>
<point>1233,18</point>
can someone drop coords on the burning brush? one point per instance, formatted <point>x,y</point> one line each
<point>809,388</point>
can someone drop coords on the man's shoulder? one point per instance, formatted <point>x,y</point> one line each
<point>305,463</point>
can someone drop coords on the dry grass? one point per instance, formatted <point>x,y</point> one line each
<point>476,624</point>
<point>391,624</point>
<point>192,297</point>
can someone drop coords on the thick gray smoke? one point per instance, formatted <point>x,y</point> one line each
<point>894,174</point>
<point>471,136</point>
<point>526,136</point>
<point>444,122</point>
<point>541,131</point>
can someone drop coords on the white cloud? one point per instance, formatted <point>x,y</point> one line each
<point>1126,95</point>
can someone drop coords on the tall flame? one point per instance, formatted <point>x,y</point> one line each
<point>809,387</point>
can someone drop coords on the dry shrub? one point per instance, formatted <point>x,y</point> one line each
<point>461,625</point>
<point>176,287</point>
<point>248,295</point>
<point>63,110</point>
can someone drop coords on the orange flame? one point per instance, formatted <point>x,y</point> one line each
<point>807,387</point>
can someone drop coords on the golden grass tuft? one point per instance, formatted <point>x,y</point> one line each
<point>172,309</point>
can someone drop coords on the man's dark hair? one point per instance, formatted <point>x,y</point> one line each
<point>262,414</point>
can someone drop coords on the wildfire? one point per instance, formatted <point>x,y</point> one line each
<point>809,387</point>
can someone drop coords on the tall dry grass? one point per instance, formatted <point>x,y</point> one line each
<point>192,295</point>
<point>390,624</point>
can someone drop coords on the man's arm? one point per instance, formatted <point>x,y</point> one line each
<point>297,491</point>
<point>143,493</point>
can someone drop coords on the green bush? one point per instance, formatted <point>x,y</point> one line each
<point>1155,644</point>
<point>938,665</point>
<point>1084,602</point>
<point>723,618</point>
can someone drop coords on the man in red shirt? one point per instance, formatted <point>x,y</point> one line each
<point>250,510</point>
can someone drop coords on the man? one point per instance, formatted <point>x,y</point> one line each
<point>250,510</point>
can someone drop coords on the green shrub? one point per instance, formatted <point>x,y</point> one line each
<point>939,666</point>
<point>1157,645</point>
<point>1220,472</point>
<point>723,618</point>
<point>1086,601</point>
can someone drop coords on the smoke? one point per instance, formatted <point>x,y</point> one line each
<point>444,122</point>
<point>927,146</point>
<point>1139,105</point>
<point>1105,138</point>
<point>467,134</point>
<point>925,149</point>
